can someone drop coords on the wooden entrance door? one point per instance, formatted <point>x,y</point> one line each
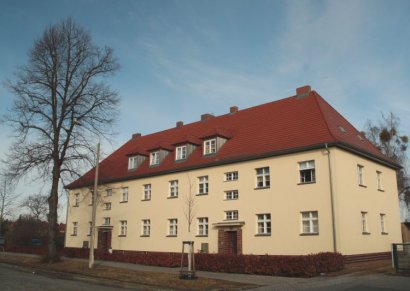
<point>104,239</point>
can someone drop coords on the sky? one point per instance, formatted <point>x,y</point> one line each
<point>181,59</point>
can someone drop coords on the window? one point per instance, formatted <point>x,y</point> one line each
<point>383,223</point>
<point>264,224</point>
<point>77,200</point>
<point>203,185</point>
<point>379,181</point>
<point>360,175</point>
<point>75,228</point>
<point>107,206</point>
<point>172,227</point>
<point>124,197</point>
<point>231,215</point>
<point>310,222</point>
<point>91,198</point>
<point>173,188</point>
<point>231,195</point>
<point>109,192</point>
<point>90,228</point>
<point>132,163</point>
<point>203,226</point>
<point>365,229</point>
<point>146,227</point>
<point>210,146</point>
<point>307,172</point>
<point>231,176</point>
<point>147,192</point>
<point>154,158</point>
<point>107,221</point>
<point>123,228</point>
<point>181,153</point>
<point>262,177</point>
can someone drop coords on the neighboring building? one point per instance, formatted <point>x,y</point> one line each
<point>288,177</point>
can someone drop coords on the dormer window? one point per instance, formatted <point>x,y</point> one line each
<point>154,158</point>
<point>181,153</point>
<point>132,163</point>
<point>135,160</point>
<point>210,146</point>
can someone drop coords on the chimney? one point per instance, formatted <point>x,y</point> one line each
<point>303,91</point>
<point>233,109</point>
<point>179,124</point>
<point>206,116</point>
<point>136,135</point>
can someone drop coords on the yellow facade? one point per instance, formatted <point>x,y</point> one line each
<point>284,200</point>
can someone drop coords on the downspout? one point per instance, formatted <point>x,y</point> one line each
<point>332,203</point>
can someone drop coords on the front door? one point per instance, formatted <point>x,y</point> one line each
<point>232,239</point>
<point>104,239</point>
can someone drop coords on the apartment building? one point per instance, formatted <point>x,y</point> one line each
<point>289,177</point>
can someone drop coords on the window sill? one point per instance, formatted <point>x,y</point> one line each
<point>309,234</point>
<point>124,201</point>
<point>365,233</point>
<point>122,235</point>
<point>231,199</point>
<point>306,183</point>
<point>235,219</point>
<point>263,234</point>
<point>171,235</point>
<point>144,235</point>
<point>145,199</point>
<point>380,190</point>
<point>202,194</point>
<point>361,185</point>
<point>261,188</point>
<point>172,197</point>
<point>105,209</point>
<point>230,180</point>
<point>385,233</point>
<point>201,235</point>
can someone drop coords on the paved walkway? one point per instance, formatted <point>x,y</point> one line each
<point>350,282</point>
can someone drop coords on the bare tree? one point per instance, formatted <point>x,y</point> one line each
<point>61,107</point>
<point>37,205</point>
<point>7,199</point>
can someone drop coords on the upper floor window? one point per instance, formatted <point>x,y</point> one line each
<point>181,153</point>
<point>109,192</point>
<point>231,195</point>
<point>210,146</point>
<point>379,181</point>
<point>262,177</point>
<point>90,228</point>
<point>360,175</point>
<point>173,188</point>
<point>75,228</point>
<point>365,229</point>
<point>310,222</point>
<point>123,228</point>
<point>76,200</point>
<point>146,227</point>
<point>203,226</point>
<point>231,215</point>
<point>147,192</point>
<point>124,197</point>
<point>107,206</point>
<point>307,172</point>
<point>203,185</point>
<point>106,220</point>
<point>231,176</point>
<point>264,223</point>
<point>383,223</point>
<point>154,158</point>
<point>132,163</point>
<point>173,227</point>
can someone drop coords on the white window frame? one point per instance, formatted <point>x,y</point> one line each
<point>203,185</point>
<point>123,227</point>
<point>107,206</point>
<point>383,227</point>
<point>154,158</point>
<point>263,224</point>
<point>231,215</point>
<point>172,227</point>
<point>309,222</point>
<point>202,226</point>
<point>232,195</point>
<point>147,192</point>
<point>365,226</point>
<point>107,221</point>
<point>209,146</point>
<point>124,196</point>
<point>146,227</point>
<point>75,228</point>
<point>173,189</point>
<point>379,180</point>
<point>231,176</point>
<point>307,170</point>
<point>76,200</point>
<point>108,192</point>
<point>132,163</point>
<point>262,177</point>
<point>360,175</point>
<point>181,152</point>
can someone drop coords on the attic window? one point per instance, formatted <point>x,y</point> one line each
<point>154,158</point>
<point>342,129</point>
<point>132,163</point>
<point>210,146</point>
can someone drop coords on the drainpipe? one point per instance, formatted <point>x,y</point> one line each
<point>332,203</point>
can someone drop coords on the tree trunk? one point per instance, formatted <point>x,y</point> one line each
<point>53,255</point>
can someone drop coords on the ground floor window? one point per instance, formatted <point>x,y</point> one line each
<point>310,222</point>
<point>264,223</point>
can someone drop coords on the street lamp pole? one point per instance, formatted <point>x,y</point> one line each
<point>94,211</point>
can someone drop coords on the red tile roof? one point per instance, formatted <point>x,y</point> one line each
<point>297,123</point>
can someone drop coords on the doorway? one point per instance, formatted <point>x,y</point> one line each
<point>104,239</point>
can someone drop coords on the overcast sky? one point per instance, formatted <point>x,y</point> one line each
<point>180,59</point>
